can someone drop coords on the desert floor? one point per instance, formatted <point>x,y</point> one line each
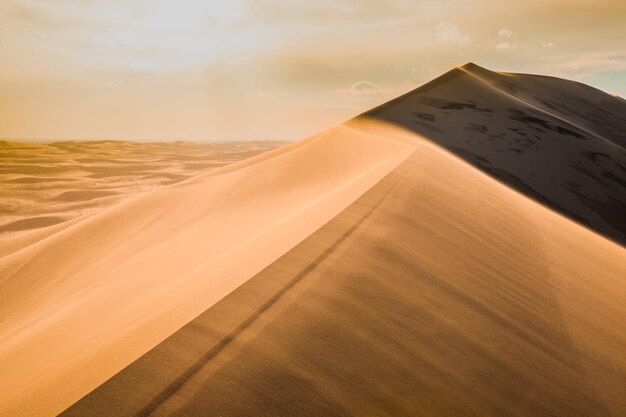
<point>45,184</point>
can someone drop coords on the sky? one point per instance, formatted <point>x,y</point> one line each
<point>226,70</point>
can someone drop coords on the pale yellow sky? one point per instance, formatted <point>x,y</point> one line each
<point>272,69</point>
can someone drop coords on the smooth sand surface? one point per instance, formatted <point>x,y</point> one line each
<point>46,184</point>
<point>439,292</point>
<point>85,299</point>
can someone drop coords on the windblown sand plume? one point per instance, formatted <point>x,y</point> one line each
<point>456,251</point>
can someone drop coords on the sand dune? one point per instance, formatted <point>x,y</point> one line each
<point>86,300</point>
<point>365,270</point>
<point>439,292</point>
<point>559,142</point>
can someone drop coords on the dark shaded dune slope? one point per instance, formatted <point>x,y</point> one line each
<point>558,141</point>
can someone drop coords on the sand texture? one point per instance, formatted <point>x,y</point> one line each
<point>440,292</point>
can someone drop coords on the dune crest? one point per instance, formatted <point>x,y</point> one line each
<point>85,301</point>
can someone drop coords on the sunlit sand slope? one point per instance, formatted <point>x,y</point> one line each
<point>83,302</point>
<point>440,292</point>
<point>560,142</point>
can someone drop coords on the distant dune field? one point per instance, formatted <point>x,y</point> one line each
<point>46,184</point>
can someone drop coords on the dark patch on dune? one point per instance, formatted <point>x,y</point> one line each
<point>427,126</point>
<point>14,155</point>
<point>27,169</point>
<point>565,131</point>
<point>202,166</point>
<point>83,195</point>
<point>508,86</point>
<point>452,105</point>
<point>30,223</point>
<point>523,117</point>
<point>30,159</point>
<point>428,117</point>
<point>611,169</point>
<point>35,180</point>
<point>133,169</point>
<point>549,104</point>
<point>165,175</point>
<point>193,158</point>
<point>476,127</point>
<point>517,131</point>
<point>115,161</point>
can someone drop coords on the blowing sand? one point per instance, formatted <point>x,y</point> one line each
<point>438,292</point>
<point>88,299</point>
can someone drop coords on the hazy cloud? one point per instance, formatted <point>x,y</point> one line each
<point>449,33</point>
<point>363,86</point>
<point>503,45</point>
<point>586,65</point>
